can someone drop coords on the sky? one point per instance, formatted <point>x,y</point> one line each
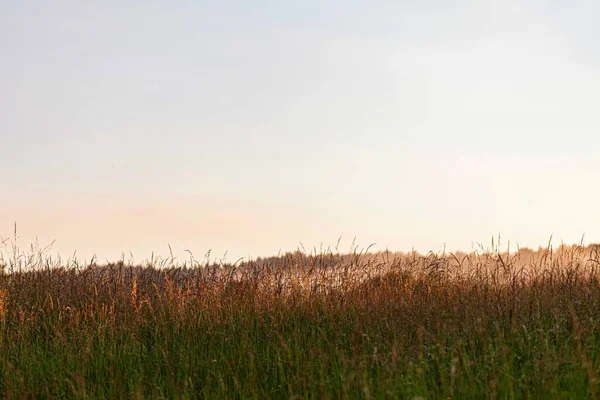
<point>252,127</point>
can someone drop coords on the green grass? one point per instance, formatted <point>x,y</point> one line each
<point>493,327</point>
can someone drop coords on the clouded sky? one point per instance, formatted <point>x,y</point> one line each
<point>254,126</point>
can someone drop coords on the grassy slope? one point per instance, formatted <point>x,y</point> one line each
<point>488,330</point>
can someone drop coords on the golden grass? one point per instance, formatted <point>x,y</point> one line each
<point>485,324</point>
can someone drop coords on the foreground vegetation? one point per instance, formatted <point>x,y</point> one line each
<point>484,325</point>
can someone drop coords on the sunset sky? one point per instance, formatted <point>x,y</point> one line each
<point>254,126</point>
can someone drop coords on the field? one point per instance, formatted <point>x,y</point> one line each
<point>488,324</point>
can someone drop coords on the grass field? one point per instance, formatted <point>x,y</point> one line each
<point>483,325</point>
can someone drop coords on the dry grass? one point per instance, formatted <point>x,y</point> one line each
<point>482,325</point>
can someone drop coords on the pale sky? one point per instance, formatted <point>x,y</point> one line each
<point>254,126</point>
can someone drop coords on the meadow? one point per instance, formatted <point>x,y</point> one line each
<point>488,324</point>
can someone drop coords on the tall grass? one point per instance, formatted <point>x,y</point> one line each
<point>482,325</point>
